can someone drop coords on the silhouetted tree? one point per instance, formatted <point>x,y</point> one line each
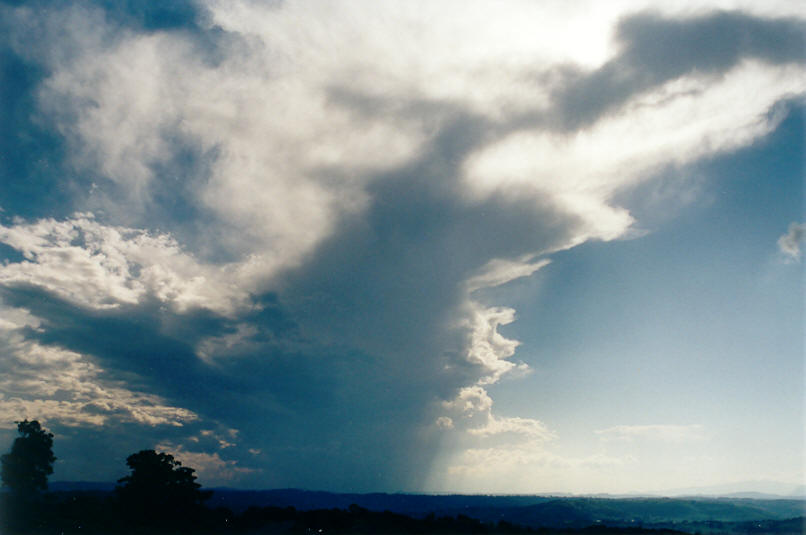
<point>26,468</point>
<point>160,490</point>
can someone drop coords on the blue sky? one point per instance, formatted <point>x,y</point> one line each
<point>699,322</point>
<point>371,246</point>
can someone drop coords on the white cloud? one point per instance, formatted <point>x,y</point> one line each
<point>308,105</point>
<point>101,266</point>
<point>524,457</point>
<point>528,427</point>
<point>222,441</point>
<point>471,412</point>
<point>281,144</point>
<point>674,124</point>
<point>487,347</point>
<point>53,384</point>
<point>305,108</point>
<point>210,468</point>
<point>661,432</point>
<point>501,271</point>
<point>470,400</point>
<point>289,158</point>
<point>789,244</point>
<point>444,422</point>
<point>495,453</point>
<point>530,467</point>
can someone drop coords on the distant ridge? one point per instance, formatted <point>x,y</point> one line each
<point>758,490</point>
<point>689,514</point>
<point>743,489</point>
<point>73,486</point>
<point>530,510</point>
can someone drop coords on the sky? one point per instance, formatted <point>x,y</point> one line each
<point>482,247</point>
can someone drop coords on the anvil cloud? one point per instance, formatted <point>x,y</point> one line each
<point>279,219</point>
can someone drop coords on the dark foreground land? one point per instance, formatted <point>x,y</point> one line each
<point>289,511</point>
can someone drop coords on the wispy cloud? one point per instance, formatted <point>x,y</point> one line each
<point>790,243</point>
<point>661,432</point>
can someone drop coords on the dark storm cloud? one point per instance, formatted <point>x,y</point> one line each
<point>137,342</point>
<point>153,349</point>
<point>387,284</point>
<point>656,49</point>
<point>364,320</point>
<point>399,268</point>
<point>294,396</point>
<point>350,358</point>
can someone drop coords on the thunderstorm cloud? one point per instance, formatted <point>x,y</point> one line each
<point>258,234</point>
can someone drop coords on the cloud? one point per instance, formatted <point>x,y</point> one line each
<point>655,50</point>
<point>55,385</point>
<point>521,426</point>
<point>487,347</point>
<point>211,469</point>
<point>501,271</point>
<point>492,460</point>
<point>103,266</point>
<point>661,432</point>
<point>530,467</point>
<point>672,125</point>
<point>444,422</point>
<point>789,243</point>
<point>283,162</point>
<point>471,411</point>
<point>297,209</point>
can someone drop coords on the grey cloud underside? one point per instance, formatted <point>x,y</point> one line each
<point>653,50</point>
<point>347,358</point>
<point>295,406</point>
<point>38,177</point>
<point>656,50</point>
<point>137,344</point>
<point>351,359</point>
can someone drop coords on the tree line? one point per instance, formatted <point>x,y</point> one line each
<point>158,491</point>
<point>160,496</point>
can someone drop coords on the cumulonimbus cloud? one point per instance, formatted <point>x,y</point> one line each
<point>299,206</point>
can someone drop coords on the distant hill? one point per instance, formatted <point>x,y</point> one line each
<point>411,504</point>
<point>656,512</point>
<point>535,511</point>
<point>757,489</point>
<point>560,514</point>
<point>97,486</point>
<point>685,513</point>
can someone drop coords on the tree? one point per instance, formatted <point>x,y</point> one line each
<point>159,488</point>
<point>26,468</point>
